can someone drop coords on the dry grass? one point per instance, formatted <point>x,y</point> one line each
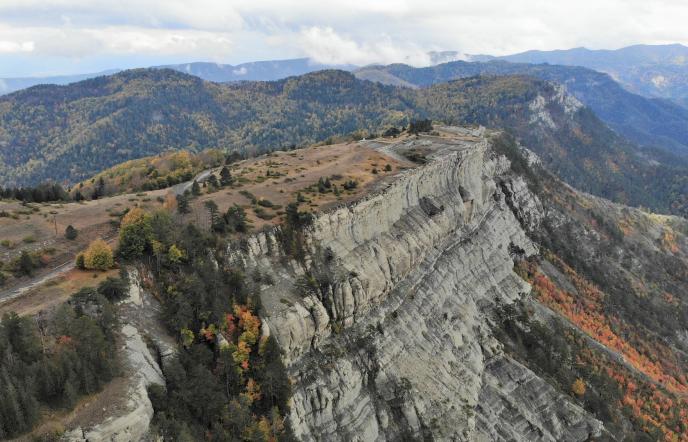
<point>294,172</point>
<point>54,291</point>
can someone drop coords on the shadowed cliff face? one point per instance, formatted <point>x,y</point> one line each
<point>396,341</point>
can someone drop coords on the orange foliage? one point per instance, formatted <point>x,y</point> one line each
<point>585,310</point>
<point>578,387</point>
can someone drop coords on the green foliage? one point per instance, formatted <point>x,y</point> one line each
<point>231,389</point>
<point>182,203</point>
<point>71,233</point>
<point>150,173</point>
<point>113,289</point>
<point>24,264</point>
<point>235,219</point>
<point>195,188</point>
<point>225,176</point>
<point>80,262</point>
<point>41,370</point>
<point>419,126</point>
<point>135,235</point>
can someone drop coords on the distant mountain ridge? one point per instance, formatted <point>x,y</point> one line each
<point>649,70</point>
<point>269,70</point>
<point>9,85</point>
<point>646,121</point>
<point>71,132</point>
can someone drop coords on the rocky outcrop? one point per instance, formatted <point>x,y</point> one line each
<point>397,343</point>
<point>513,402</point>
<point>130,421</point>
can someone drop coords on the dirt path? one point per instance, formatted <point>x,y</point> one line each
<point>55,272</point>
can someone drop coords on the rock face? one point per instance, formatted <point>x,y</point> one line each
<point>397,342</point>
<point>141,369</point>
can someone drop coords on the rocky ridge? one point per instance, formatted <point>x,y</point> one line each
<point>396,342</point>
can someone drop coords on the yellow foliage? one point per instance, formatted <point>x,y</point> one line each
<point>578,387</point>
<point>98,256</point>
<point>134,216</point>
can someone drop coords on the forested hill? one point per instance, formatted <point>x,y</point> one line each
<point>646,121</point>
<point>71,132</point>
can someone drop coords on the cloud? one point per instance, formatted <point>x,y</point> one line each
<point>9,47</point>
<point>57,32</point>
<point>326,46</point>
<point>111,40</point>
<point>241,71</point>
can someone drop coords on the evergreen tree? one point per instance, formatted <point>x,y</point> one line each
<point>70,232</point>
<point>182,203</point>
<point>225,176</point>
<point>195,188</point>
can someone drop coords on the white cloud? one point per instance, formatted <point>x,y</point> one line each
<point>111,40</point>
<point>324,45</point>
<point>8,47</point>
<point>335,31</point>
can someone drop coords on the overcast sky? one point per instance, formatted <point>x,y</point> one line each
<point>46,37</point>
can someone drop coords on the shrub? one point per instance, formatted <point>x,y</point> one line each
<point>350,185</point>
<point>71,233</point>
<point>419,126</point>
<point>79,263</point>
<point>98,256</point>
<point>113,288</point>
<point>388,167</point>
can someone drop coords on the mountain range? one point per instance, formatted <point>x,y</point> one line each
<point>68,133</point>
<point>646,121</point>
<point>650,70</point>
<point>252,71</point>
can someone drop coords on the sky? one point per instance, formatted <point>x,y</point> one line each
<point>50,37</point>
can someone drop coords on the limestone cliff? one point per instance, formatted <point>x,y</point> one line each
<point>396,342</point>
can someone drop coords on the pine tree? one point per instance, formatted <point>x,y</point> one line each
<point>182,204</point>
<point>70,232</point>
<point>225,176</point>
<point>195,188</point>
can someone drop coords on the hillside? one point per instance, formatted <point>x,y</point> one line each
<point>654,123</point>
<point>649,70</point>
<point>71,132</point>
<point>470,285</point>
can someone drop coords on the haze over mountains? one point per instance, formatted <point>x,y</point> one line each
<point>650,70</point>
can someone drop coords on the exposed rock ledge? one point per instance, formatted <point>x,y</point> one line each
<point>131,423</point>
<point>398,344</point>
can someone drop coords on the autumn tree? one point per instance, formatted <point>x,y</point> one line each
<point>98,256</point>
<point>578,387</point>
<point>135,233</point>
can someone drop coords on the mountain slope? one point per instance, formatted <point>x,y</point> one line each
<point>650,70</point>
<point>69,133</point>
<point>649,122</point>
